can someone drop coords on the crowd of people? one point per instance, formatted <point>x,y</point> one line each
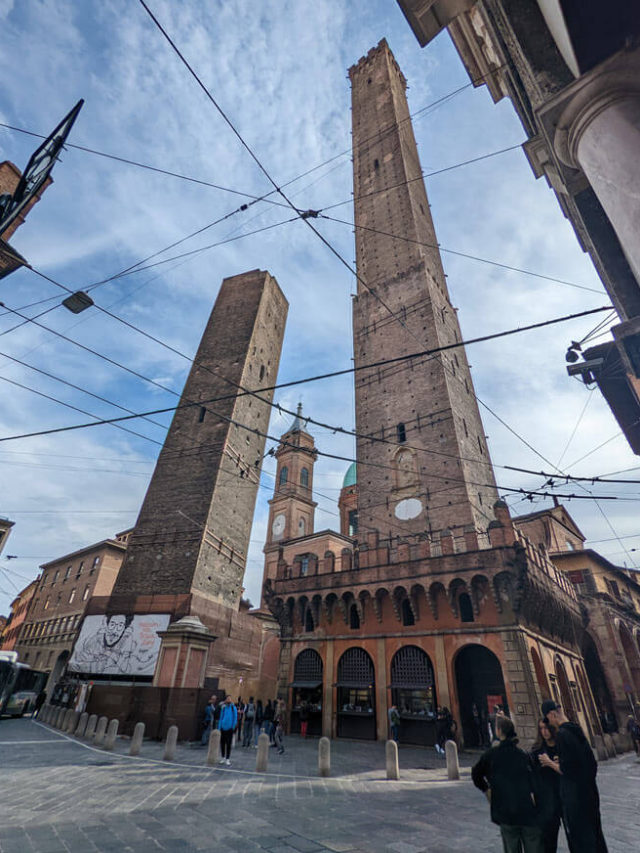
<point>533,793</point>
<point>245,720</point>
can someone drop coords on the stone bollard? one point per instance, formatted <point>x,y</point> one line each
<point>72,722</point>
<point>58,718</point>
<point>112,734</point>
<point>391,752</point>
<point>262,757</point>
<point>170,744</point>
<point>324,757</point>
<point>82,724</point>
<point>44,713</point>
<point>453,768</point>
<point>136,740</point>
<point>90,731</point>
<point>65,720</point>
<point>101,729</point>
<point>48,710</point>
<point>600,748</point>
<point>609,745</point>
<point>213,753</point>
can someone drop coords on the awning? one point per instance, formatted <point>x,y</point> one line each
<point>356,685</point>
<point>306,684</point>
<point>410,685</point>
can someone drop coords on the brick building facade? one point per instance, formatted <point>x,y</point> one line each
<point>13,625</point>
<point>440,601</point>
<point>62,594</point>
<point>609,596</point>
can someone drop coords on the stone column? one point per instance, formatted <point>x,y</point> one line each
<point>442,677</point>
<point>381,690</point>
<point>324,756</point>
<point>327,691</point>
<point>112,734</point>
<point>599,133</point>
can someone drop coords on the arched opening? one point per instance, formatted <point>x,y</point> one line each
<point>284,475</point>
<point>306,689</point>
<point>407,613</point>
<point>329,561</point>
<point>308,621</point>
<point>466,608</point>
<point>633,663</point>
<point>599,686</point>
<point>354,618</point>
<point>480,688</point>
<point>541,678</point>
<point>356,695</point>
<point>566,696</point>
<point>304,478</point>
<point>413,692</point>
<point>55,687</point>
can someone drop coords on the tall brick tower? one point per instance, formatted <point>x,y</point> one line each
<point>192,534</point>
<point>441,476</point>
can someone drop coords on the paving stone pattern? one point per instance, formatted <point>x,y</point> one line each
<point>58,796</point>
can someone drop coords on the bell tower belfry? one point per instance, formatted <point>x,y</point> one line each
<point>432,470</point>
<point>292,506</point>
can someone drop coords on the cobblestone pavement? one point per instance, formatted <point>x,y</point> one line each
<point>59,795</point>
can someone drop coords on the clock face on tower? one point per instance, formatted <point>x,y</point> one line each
<point>277,528</point>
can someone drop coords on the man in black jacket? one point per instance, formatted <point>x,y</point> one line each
<point>578,789</point>
<point>505,774</point>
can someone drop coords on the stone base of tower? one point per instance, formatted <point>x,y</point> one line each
<point>207,648</point>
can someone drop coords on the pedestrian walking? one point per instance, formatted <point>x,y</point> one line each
<point>394,722</point>
<point>40,700</point>
<point>249,721</point>
<point>258,723</point>
<point>278,725</point>
<point>578,789</point>
<point>209,720</point>
<point>505,774</point>
<point>304,717</point>
<point>271,730</point>
<point>549,804</point>
<point>240,710</point>
<point>634,732</point>
<point>446,728</point>
<point>227,723</point>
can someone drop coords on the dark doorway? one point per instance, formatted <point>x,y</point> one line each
<point>599,686</point>
<point>480,686</point>
<point>307,688</point>
<point>356,695</point>
<point>413,693</point>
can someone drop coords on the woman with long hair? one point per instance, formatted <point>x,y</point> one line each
<point>548,787</point>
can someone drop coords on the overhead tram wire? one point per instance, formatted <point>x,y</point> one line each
<point>379,134</point>
<point>466,255</point>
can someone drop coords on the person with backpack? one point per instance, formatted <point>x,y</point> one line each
<point>394,722</point>
<point>209,720</point>
<point>258,723</point>
<point>227,723</point>
<point>278,727</point>
<point>249,720</point>
<point>505,774</point>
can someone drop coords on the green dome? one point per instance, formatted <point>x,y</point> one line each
<point>350,478</point>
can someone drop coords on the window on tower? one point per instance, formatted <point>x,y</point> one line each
<point>304,566</point>
<point>284,475</point>
<point>353,522</point>
<point>304,478</point>
<point>401,432</point>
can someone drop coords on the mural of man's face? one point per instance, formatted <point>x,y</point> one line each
<point>115,629</point>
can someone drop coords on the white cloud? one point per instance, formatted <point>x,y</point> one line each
<point>279,72</point>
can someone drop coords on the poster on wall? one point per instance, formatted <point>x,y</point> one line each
<point>119,644</point>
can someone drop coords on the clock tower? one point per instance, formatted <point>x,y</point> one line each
<point>291,515</point>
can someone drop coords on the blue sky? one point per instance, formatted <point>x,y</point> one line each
<point>279,70</point>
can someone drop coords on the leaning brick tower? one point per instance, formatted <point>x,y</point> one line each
<point>435,472</point>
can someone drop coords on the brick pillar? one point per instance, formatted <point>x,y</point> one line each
<point>328,723</point>
<point>381,690</point>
